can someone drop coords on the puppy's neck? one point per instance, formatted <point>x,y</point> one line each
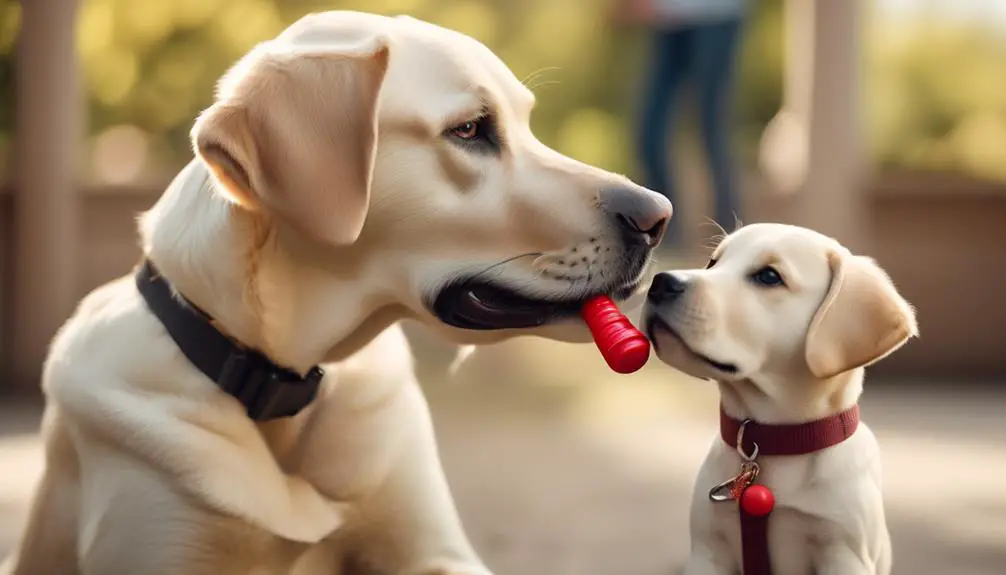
<point>234,265</point>
<point>793,400</point>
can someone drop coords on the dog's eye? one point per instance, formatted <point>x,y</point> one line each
<point>711,263</point>
<point>478,135</point>
<point>480,129</point>
<point>767,277</point>
<point>467,131</point>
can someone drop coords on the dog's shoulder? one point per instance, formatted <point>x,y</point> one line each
<point>848,465</point>
<point>113,341</point>
<point>106,330</point>
<point>112,364</point>
<point>840,488</point>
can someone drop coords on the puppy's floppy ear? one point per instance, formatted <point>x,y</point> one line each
<point>294,131</point>
<point>861,320</point>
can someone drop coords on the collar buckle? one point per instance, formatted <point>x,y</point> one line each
<point>266,390</point>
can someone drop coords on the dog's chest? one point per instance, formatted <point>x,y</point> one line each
<point>822,500</point>
<point>790,530</point>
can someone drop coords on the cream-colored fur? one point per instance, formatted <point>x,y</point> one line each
<point>326,204</point>
<point>790,353</point>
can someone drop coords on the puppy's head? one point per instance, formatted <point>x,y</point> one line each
<point>774,302</point>
<point>398,156</point>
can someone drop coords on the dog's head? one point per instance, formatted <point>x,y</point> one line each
<point>398,155</point>
<point>777,303</point>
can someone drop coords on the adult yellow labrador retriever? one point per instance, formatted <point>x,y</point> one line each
<point>354,171</point>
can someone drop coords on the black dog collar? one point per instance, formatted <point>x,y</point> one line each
<point>267,390</point>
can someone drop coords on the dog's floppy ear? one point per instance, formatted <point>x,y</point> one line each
<point>861,320</point>
<point>294,131</point>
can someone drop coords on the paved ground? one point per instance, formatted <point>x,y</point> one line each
<point>577,472</point>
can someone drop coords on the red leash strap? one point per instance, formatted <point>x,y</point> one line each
<point>755,505</point>
<point>754,543</point>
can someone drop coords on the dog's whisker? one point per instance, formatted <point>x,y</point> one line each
<point>495,266</point>
<point>540,263</point>
<point>544,84</point>
<point>530,79</point>
<point>549,259</point>
<point>738,224</point>
<point>722,232</point>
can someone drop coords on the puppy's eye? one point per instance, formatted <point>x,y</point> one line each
<point>767,277</point>
<point>711,263</point>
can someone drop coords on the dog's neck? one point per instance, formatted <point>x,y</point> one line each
<point>793,400</point>
<point>257,287</point>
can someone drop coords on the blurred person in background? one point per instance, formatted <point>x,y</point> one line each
<point>693,41</point>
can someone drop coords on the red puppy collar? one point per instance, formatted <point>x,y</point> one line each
<point>791,439</point>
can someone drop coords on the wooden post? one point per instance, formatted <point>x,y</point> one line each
<point>814,147</point>
<point>46,205</point>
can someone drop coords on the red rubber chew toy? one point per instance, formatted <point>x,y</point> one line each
<point>623,347</point>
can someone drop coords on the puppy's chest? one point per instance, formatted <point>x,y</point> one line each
<point>821,500</point>
<point>797,534</point>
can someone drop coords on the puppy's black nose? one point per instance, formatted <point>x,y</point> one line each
<point>666,287</point>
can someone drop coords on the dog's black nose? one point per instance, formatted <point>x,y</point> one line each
<point>641,214</point>
<point>666,287</point>
<point>651,233</point>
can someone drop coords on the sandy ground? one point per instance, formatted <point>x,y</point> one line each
<point>561,471</point>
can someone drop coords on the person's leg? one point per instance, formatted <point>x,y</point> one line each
<point>715,48</point>
<point>667,68</point>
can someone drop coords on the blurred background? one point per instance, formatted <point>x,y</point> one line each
<point>881,122</point>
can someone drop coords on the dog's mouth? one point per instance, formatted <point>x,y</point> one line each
<point>484,305</point>
<point>655,323</point>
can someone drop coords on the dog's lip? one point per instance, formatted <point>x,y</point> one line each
<point>655,322</point>
<point>485,305</point>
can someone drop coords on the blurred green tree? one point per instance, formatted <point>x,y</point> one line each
<point>936,94</point>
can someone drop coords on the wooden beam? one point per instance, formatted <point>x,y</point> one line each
<point>814,148</point>
<point>46,206</point>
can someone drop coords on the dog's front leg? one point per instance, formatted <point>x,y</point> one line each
<point>371,443</point>
<point>49,543</point>
<point>711,525</point>
<point>412,521</point>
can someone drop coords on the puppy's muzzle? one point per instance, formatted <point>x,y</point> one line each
<point>666,289</point>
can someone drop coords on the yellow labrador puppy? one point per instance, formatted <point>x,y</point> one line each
<point>784,320</point>
<point>354,171</point>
